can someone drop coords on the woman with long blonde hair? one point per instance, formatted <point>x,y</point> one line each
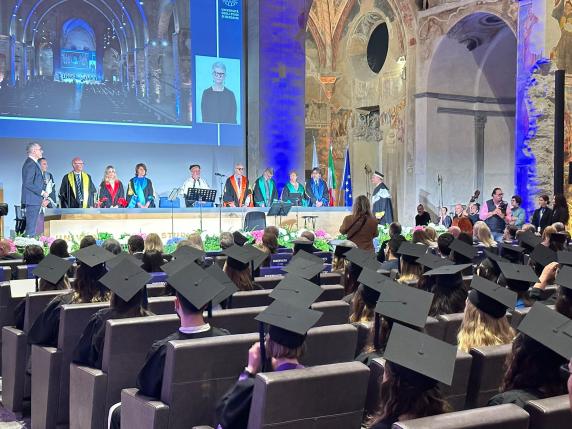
<point>111,189</point>
<point>485,322</point>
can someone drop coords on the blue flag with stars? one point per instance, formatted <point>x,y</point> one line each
<point>348,200</point>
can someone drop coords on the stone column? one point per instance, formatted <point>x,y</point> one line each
<point>480,122</point>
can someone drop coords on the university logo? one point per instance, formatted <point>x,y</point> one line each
<point>230,3</point>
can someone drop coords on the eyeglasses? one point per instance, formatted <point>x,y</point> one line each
<point>219,74</point>
<point>240,168</point>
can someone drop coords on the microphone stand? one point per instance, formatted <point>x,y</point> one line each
<point>220,205</point>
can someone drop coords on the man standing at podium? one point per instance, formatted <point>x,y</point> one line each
<point>77,189</point>
<point>236,190</point>
<point>265,192</point>
<point>193,182</point>
<point>33,188</point>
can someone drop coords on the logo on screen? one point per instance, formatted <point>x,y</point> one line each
<point>230,3</point>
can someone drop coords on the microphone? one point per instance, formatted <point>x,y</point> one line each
<point>219,175</point>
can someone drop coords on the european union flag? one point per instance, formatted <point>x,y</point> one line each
<point>348,200</point>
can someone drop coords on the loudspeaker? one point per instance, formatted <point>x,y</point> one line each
<point>559,132</point>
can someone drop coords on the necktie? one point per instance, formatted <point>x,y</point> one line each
<point>78,187</point>
<point>239,181</point>
<point>194,183</point>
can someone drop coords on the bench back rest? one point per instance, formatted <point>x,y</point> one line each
<point>487,372</point>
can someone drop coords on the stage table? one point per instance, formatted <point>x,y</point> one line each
<point>62,223</point>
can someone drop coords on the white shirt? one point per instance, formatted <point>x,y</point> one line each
<point>200,183</point>
<point>194,329</point>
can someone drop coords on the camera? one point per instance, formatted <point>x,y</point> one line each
<point>503,205</point>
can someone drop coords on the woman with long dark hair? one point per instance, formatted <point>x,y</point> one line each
<point>361,226</point>
<point>560,212</point>
<point>140,193</point>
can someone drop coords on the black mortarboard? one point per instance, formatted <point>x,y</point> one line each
<point>112,263</point>
<point>549,328</point>
<point>564,277</point>
<point>512,252</point>
<point>126,279</point>
<point>183,256</point>
<point>447,270</point>
<point>564,257</point>
<point>378,174</point>
<point>448,276</point>
<point>52,268</point>
<point>196,285</point>
<point>422,354</point>
<point>559,237</point>
<point>543,255</point>
<point>305,265</point>
<point>404,303</point>
<point>518,277</point>
<point>238,257</point>
<point>302,243</point>
<point>363,258</point>
<point>462,248</point>
<point>495,259</point>
<point>93,255</point>
<point>257,256</point>
<point>239,239</point>
<point>342,246</point>
<point>372,279</point>
<point>219,275</point>
<point>296,291</point>
<point>414,250</point>
<point>431,261</point>
<point>529,240</point>
<point>188,252</point>
<point>288,324</point>
<point>490,297</point>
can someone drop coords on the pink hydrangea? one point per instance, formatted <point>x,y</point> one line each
<point>47,241</point>
<point>257,235</point>
<point>13,248</point>
<point>419,228</point>
<point>320,233</point>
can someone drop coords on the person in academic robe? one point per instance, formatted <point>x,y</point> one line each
<point>111,191</point>
<point>195,181</point>
<point>294,192</point>
<point>236,189</point>
<point>317,189</point>
<point>283,346</point>
<point>77,189</point>
<point>50,184</point>
<point>542,216</point>
<point>140,192</point>
<point>265,192</point>
<point>381,199</point>
<point>193,325</point>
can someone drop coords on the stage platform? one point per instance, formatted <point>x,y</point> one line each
<point>63,223</point>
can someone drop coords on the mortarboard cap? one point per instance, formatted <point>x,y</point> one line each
<point>490,297</point>
<point>378,174</point>
<point>518,277</point>
<point>411,251</point>
<point>405,304</point>
<point>126,279</point>
<point>549,328</point>
<point>238,257</point>
<point>288,324</point>
<point>257,256</point>
<point>564,257</point>
<point>296,291</point>
<point>220,276</point>
<point>52,268</point>
<point>112,263</point>
<point>511,252</point>
<point>93,255</point>
<point>529,240</point>
<point>342,246</point>
<point>363,258</point>
<point>196,285</point>
<point>239,239</point>
<point>543,255</point>
<point>422,354</point>
<point>305,265</point>
<point>462,248</point>
<point>564,277</point>
<point>495,259</point>
<point>182,257</point>
<point>447,270</point>
<point>371,286</point>
<point>432,261</point>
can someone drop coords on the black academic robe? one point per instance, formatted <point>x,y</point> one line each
<point>319,192</point>
<point>381,202</point>
<point>44,331</point>
<point>518,397</point>
<point>259,193</point>
<point>106,198</point>
<point>295,195</point>
<point>89,349</point>
<point>150,377</point>
<point>68,197</point>
<point>233,409</point>
<point>232,193</point>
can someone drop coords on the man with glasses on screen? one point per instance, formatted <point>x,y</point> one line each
<point>236,189</point>
<point>218,103</point>
<point>496,213</point>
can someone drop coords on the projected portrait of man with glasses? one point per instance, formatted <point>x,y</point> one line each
<point>218,103</point>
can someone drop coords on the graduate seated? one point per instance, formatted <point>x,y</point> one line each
<point>86,288</point>
<point>305,242</point>
<point>192,300</point>
<point>415,364</point>
<point>448,287</point>
<point>128,295</point>
<point>241,258</point>
<point>284,345</point>
<point>410,271</point>
<point>485,322</point>
<point>538,352</point>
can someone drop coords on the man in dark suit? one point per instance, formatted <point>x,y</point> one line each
<point>542,216</point>
<point>33,188</point>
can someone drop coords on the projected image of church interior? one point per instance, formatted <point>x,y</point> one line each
<point>122,61</point>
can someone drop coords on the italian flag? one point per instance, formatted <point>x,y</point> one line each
<point>331,177</point>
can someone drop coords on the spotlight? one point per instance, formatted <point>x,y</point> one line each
<point>164,43</point>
